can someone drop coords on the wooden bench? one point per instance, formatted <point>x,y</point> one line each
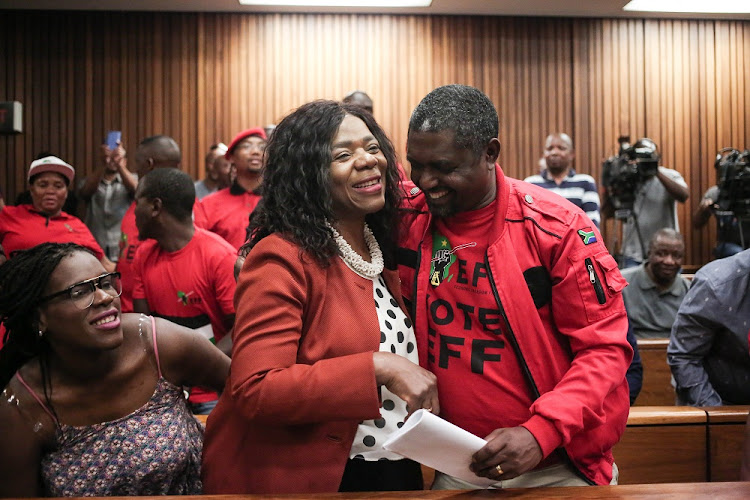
<point>663,445</point>
<point>657,387</point>
<point>726,436</point>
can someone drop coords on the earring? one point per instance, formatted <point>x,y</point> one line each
<point>41,333</point>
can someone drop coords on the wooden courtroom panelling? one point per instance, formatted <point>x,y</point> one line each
<point>663,445</point>
<point>726,436</point>
<point>202,77</point>
<point>657,388</point>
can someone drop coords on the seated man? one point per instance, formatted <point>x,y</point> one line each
<point>182,273</point>
<point>708,350</point>
<point>559,177</point>
<point>656,288</point>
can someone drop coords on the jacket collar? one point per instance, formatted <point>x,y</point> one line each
<point>502,195</point>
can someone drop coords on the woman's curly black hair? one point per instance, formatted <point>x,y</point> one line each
<point>296,185</point>
<point>22,282</point>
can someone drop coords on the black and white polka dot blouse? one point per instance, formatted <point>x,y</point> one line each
<point>396,336</point>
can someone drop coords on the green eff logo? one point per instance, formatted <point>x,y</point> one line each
<point>186,299</point>
<point>443,257</point>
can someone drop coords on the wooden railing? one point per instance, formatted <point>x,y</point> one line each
<point>670,444</point>
<point>674,444</point>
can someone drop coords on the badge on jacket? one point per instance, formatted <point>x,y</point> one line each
<point>588,236</point>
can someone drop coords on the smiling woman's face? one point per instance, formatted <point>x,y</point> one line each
<point>68,328</point>
<point>358,169</point>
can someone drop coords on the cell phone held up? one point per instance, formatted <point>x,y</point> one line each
<point>113,138</point>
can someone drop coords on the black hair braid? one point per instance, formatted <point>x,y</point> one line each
<point>22,282</point>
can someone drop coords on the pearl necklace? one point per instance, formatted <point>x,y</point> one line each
<point>355,261</point>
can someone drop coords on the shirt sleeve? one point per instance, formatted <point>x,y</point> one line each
<point>590,202</point>
<point>712,193</point>
<point>692,337</point>
<point>224,283</point>
<point>139,291</point>
<point>588,311</point>
<point>200,216</point>
<point>674,175</point>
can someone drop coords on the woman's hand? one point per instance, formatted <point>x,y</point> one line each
<point>412,383</point>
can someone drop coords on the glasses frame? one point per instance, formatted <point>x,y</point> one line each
<point>97,284</point>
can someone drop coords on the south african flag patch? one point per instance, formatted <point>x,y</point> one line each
<point>587,235</point>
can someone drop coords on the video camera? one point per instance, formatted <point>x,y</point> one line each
<point>733,172</point>
<point>623,174</point>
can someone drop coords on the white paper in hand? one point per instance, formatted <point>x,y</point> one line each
<point>436,443</point>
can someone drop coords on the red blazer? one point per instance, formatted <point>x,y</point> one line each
<point>302,375</point>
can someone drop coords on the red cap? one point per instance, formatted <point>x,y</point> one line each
<point>243,135</point>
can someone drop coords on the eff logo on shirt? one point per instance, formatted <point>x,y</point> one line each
<point>186,299</point>
<point>443,257</point>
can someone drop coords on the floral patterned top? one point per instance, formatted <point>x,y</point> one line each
<point>156,450</point>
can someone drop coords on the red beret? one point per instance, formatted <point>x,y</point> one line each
<point>243,135</point>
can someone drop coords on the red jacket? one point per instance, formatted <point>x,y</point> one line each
<point>572,347</point>
<point>302,375</point>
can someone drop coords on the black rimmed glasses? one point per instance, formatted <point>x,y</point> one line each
<point>82,294</point>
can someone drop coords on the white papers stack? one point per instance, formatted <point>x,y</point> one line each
<point>436,443</point>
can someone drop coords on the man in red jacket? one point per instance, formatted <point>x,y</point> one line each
<point>516,303</point>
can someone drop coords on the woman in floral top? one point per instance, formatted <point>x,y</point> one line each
<point>92,402</point>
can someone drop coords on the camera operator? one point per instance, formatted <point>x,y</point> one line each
<point>656,191</point>
<point>730,229</point>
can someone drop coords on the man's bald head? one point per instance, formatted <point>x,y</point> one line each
<point>157,151</point>
<point>360,99</point>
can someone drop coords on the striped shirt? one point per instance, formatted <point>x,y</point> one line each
<point>579,189</point>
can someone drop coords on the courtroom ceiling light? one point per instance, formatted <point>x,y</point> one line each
<point>339,3</point>
<point>692,6</point>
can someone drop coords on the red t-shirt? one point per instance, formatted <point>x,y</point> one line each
<point>193,287</point>
<point>476,367</point>
<point>22,227</point>
<point>129,244</point>
<point>227,213</point>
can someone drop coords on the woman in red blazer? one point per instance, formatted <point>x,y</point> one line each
<point>324,362</point>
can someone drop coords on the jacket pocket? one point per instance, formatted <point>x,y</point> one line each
<point>595,281</point>
<point>600,285</point>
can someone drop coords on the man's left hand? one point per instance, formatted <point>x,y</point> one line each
<point>514,449</point>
